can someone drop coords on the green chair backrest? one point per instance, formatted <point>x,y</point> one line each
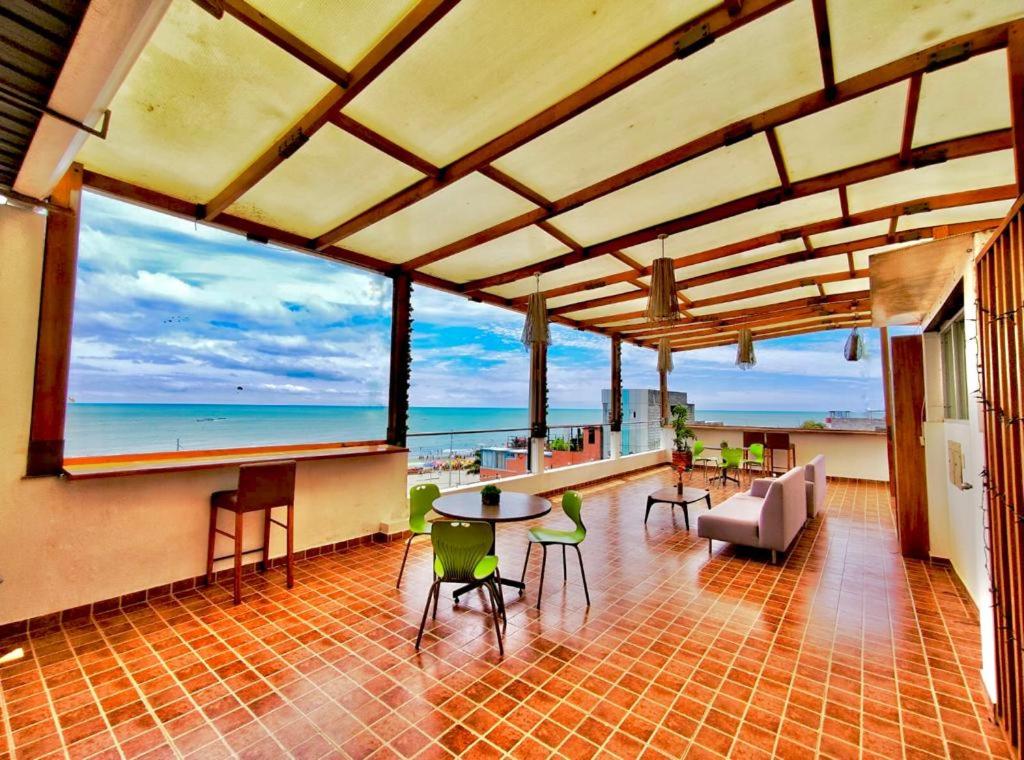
<point>421,499</point>
<point>698,448</point>
<point>756,452</point>
<point>572,505</point>
<point>732,457</point>
<point>458,548</point>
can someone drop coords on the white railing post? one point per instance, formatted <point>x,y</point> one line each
<point>537,455</point>
<point>614,444</point>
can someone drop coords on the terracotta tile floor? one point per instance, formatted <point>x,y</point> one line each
<point>845,650</point>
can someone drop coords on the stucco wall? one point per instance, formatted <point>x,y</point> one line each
<point>65,544</point>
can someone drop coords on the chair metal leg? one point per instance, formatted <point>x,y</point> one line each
<point>775,557</point>
<point>238,557</point>
<point>423,622</point>
<point>501,598</point>
<point>405,556</point>
<point>494,615</point>
<point>709,547</point>
<point>583,573</point>
<point>437,597</point>
<point>565,571</point>
<point>210,544</point>
<point>522,578</point>
<point>543,566</point>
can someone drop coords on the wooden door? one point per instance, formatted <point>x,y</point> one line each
<point>908,445</point>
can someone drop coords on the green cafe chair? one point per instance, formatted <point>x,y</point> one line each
<point>421,500</point>
<point>755,458</point>
<point>572,505</point>
<point>731,459</point>
<point>462,555</point>
<point>703,461</point>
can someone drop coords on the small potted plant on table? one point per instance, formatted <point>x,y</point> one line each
<point>682,456</point>
<point>490,496</point>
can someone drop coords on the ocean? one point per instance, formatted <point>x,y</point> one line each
<point>96,429</point>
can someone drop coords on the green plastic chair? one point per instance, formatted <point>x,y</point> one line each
<point>572,505</point>
<point>755,457</point>
<point>731,460</point>
<point>698,449</point>
<point>462,554</point>
<point>421,500</point>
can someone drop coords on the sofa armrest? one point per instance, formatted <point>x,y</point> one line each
<point>759,487</point>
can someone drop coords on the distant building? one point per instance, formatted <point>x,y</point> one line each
<point>584,444</point>
<point>641,417</point>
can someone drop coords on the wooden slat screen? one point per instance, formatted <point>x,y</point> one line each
<point>1000,274</point>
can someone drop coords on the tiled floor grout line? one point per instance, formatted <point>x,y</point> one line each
<point>49,701</point>
<point>5,716</point>
<point>89,683</point>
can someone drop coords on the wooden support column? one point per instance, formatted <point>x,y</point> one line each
<point>401,358</point>
<point>538,390</point>
<point>663,385</point>
<point>1015,64</point>
<point>908,445</point>
<point>615,402</point>
<point>883,335</point>
<point>53,341</point>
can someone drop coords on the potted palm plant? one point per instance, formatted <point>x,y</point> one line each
<point>490,496</point>
<point>682,456</point>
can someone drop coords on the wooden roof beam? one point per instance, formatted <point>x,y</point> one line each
<point>789,316</point>
<point>947,150</point>
<point>780,162</point>
<point>270,30</point>
<point>862,84</point>
<point>405,33</point>
<point>714,23</point>
<point>1015,63</point>
<point>383,144</point>
<point>828,76</point>
<point>910,118</point>
<point>765,333</point>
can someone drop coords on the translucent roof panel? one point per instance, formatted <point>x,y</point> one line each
<point>332,178</point>
<point>848,134</point>
<point>343,30</point>
<point>971,173</point>
<point>814,208</point>
<point>711,179</point>
<point>966,99</point>
<point>739,259</point>
<point>756,301</point>
<point>972,213</point>
<point>749,70</point>
<point>847,286</point>
<point>464,207</point>
<point>526,246</point>
<point>861,259</point>
<point>597,312</point>
<point>798,271</point>
<point>591,269</point>
<point>869,33</point>
<point>586,295</point>
<point>203,100</point>
<point>849,234</point>
<point>488,66</point>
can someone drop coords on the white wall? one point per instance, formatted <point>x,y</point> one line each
<point>848,454</point>
<point>65,544</point>
<point>955,517</point>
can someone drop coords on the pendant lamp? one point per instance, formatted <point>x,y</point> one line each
<point>854,349</point>
<point>535,327</point>
<point>665,363</point>
<point>663,302</point>
<point>745,358</point>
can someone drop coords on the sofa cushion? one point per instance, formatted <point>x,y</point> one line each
<point>734,520</point>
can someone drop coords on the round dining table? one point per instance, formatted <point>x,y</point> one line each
<point>513,507</point>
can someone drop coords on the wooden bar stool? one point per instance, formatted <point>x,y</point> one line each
<point>261,486</point>
<point>779,442</point>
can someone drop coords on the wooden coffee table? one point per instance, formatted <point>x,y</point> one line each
<point>672,495</point>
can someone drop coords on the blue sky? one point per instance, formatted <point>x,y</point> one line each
<point>172,312</point>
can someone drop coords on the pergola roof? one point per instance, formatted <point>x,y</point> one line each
<point>778,144</point>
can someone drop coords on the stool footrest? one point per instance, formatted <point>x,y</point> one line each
<point>279,523</point>
<point>232,556</point>
<point>225,533</point>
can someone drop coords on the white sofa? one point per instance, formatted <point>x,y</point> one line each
<point>768,516</point>
<point>814,474</point>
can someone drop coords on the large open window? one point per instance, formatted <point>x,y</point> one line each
<point>187,338</point>
<point>954,368</point>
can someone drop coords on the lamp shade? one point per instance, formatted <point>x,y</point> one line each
<point>662,300</point>
<point>745,358</point>
<point>535,328</point>
<point>665,363</point>
<point>854,349</point>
